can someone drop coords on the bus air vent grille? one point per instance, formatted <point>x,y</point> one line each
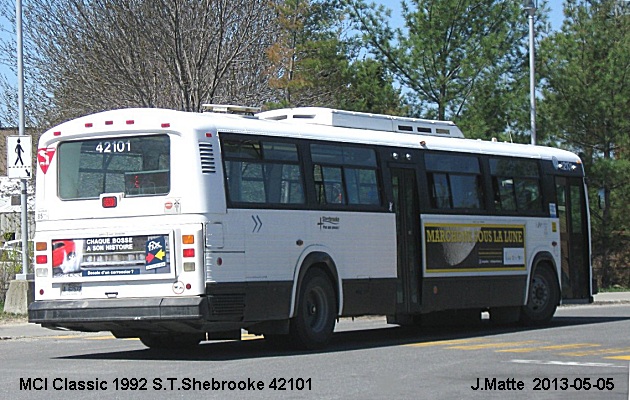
<point>206,154</point>
<point>228,304</point>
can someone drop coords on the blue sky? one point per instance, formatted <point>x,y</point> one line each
<point>555,15</point>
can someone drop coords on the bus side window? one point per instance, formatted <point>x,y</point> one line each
<point>328,185</point>
<point>262,172</point>
<point>345,175</point>
<point>504,198</point>
<point>516,185</point>
<point>454,181</point>
<point>440,192</point>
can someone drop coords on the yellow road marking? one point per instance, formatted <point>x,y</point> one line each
<point>546,348</point>
<point>597,352</point>
<point>444,342</point>
<point>106,337</point>
<point>619,358</point>
<point>493,345</point>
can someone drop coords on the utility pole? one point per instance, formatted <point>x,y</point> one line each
<point>531,6</point>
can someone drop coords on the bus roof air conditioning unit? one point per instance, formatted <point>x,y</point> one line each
<point>359,120</point>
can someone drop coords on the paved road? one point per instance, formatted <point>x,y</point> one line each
<point>583,354</point>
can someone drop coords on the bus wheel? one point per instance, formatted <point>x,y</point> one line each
<point>170,341</point>
<point>543,298</point>
<point>314,322</point>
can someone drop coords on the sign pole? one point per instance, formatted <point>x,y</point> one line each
<point>24,195</point>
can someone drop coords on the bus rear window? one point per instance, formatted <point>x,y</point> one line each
<point>135,166</point>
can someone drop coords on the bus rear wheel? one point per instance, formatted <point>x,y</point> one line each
<point>314,322</point>
<point>543,298</point>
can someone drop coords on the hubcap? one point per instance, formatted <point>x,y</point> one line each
<point>540,292</point>
<point>316,308</point>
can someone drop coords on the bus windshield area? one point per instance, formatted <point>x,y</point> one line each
<point>135,166</point>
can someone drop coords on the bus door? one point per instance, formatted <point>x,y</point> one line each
<point>574,238</point>
<point>405,190</point>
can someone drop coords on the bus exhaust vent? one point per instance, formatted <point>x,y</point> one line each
<point>227,304</point>
<point>206,153</point>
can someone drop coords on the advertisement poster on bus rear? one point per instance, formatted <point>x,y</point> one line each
<point>452,247</point>
<point>113,256</point>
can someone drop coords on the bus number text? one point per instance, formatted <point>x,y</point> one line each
<point>114,146</point>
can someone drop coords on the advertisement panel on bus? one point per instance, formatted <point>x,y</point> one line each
<point>111,256</point>
<point>466,247</point>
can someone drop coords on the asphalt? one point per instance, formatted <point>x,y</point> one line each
<point>19,328</point>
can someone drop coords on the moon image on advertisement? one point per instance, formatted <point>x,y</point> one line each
<point>456,252</point>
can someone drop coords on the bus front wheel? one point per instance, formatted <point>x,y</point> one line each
<point>313,325</point>
<point>543,297</point>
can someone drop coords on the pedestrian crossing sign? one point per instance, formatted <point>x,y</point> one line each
<point>19,157</point>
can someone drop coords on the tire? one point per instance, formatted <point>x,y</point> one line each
<point>171,341</point>
<point>543,298</point>
<point>314,322</point>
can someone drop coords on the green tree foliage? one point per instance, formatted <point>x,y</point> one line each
<point>445,49</point>
<point>314,66</point>
<point>369,88</point>
<point>498,107</point>
<point>586,107</point>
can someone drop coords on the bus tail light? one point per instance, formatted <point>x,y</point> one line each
<point>41,259</point>
<point>109,201</point>
<point>187,253</point>
<point>41,246</point>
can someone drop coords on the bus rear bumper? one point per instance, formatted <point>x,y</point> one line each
<point>113,314</point>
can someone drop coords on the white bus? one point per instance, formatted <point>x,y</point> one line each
<point>177,227</point>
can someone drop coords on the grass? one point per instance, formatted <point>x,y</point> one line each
<point>614,289</point>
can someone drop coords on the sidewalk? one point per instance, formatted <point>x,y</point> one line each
<point>612,298</point>
<point>22,329</point>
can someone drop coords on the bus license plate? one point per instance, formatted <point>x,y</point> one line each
<point>71,288</point>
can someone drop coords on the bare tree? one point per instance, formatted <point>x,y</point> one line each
<point>91,55</point>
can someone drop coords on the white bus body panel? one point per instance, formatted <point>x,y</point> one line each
<point>241,248</point>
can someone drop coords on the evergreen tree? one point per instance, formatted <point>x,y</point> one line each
<point>586,108</point>
<point>445,49</point>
